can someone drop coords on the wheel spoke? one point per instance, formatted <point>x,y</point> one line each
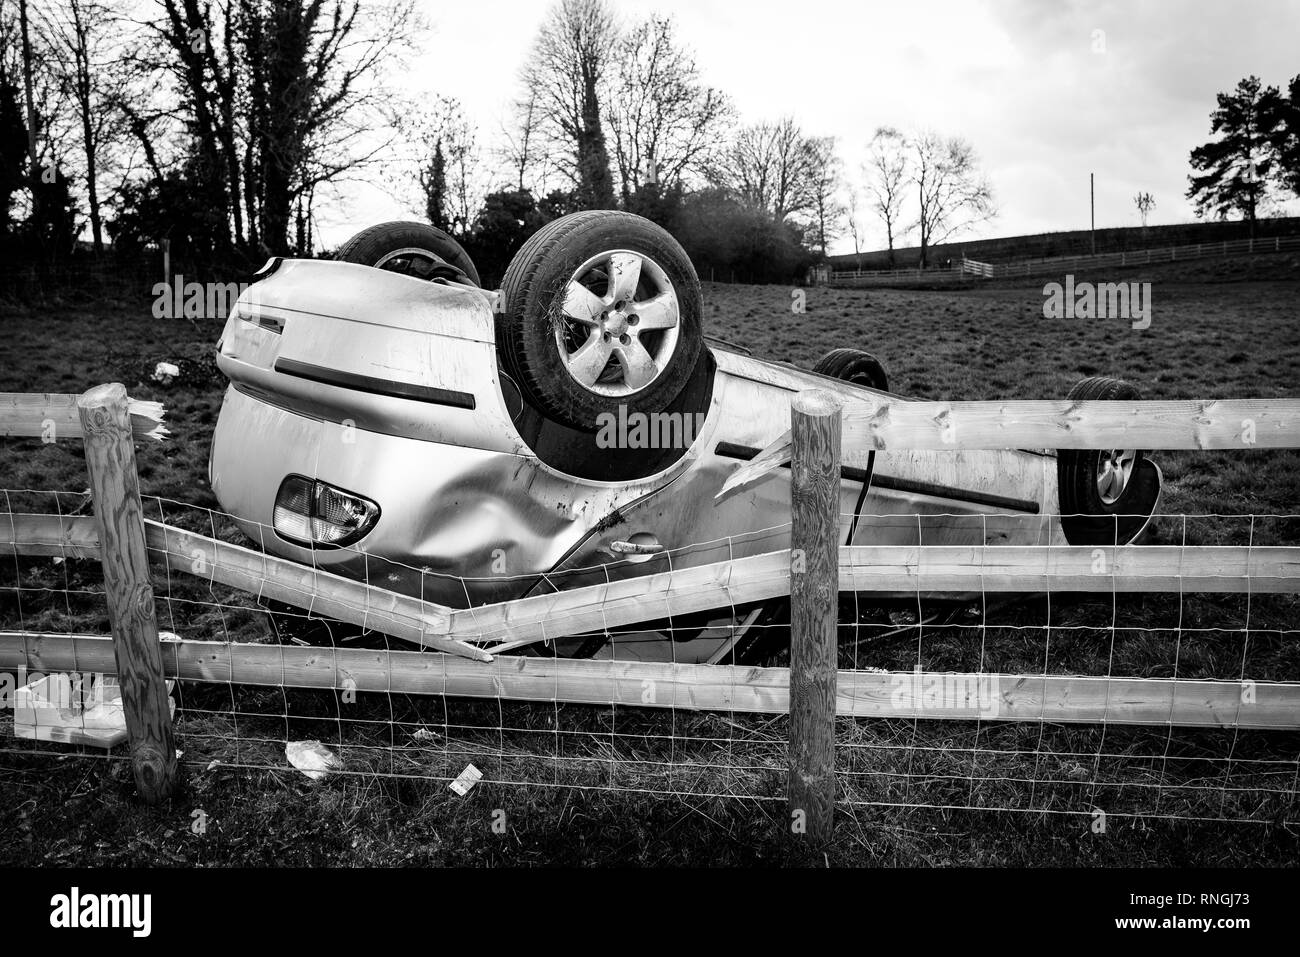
<point>624,275</point>
<point>581,304</point>
<point>638,366</point>
<point>1116,469</point>
<point>1123,472</point>
<point>1109,479</point>
<point>657,313</point>
<point>590,360</point>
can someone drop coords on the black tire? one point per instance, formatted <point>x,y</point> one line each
<point>860,368</point>
<point>854,365</point>
<point>1088,516</point>
<point>371,246</point>
<point>531,318</point>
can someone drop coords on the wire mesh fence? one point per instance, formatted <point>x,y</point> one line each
<point>1176,705</point>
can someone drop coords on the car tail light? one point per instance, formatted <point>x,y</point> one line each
<point>310,512</point>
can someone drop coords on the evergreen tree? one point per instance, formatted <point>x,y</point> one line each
<point>1234,168</point>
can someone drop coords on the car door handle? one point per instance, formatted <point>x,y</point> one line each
<point>635,548</point>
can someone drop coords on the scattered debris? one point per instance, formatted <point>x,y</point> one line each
<point>73,709</point>
<point>425,734</point>
<point>165,372</point>
<point>312,758</point>
<point>468,778</point>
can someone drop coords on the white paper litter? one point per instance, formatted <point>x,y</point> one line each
<point>312,758</point>
<point>468,778</point>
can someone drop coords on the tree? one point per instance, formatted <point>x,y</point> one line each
<point>824,170</point>
<point>1235,168</point>
<point>952,194</point>
<point>565,73</point>
<point>1144,202</point>
<point>13,147</point>
<point>463,162</point>
<point>278,97</point>
<point>169,207</point>
<point>80,35</point>
<point>888,174</point>
<point>853,219</point>
<point>433,182</point>
<point>770,166</point>
<point>729,238</point>
<point>200,41</point>
<point>506,219</point>
<point>32,124</point>
<point>13,128</point>
<point>1284,140</point>
<point>665,122</point>
<point>438,152</point>
<point>53,223</point>
<point>522,151</point>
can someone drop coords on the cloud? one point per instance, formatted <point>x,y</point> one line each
<point>1026,81</point>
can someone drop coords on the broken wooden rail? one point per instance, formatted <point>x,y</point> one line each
<point>322,593</point>
<point>925,569</point>
<point>53,417</point>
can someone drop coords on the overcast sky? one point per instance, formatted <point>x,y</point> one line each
<point>1044,98</point>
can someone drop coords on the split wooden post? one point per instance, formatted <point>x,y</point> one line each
<point>110,459</point>
<point>815,425</point>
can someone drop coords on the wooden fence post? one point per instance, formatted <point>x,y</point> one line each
<point>110,459</point>
<point>815,426</point>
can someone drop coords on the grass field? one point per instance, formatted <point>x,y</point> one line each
<point>1219,329</point>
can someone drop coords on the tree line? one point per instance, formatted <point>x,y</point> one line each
<point>225,129</point>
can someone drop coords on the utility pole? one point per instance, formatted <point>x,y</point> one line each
<point>1092,210</point>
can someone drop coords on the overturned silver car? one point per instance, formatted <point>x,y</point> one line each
<point>389,420</point>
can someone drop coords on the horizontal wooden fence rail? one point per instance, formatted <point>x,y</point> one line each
<point>887,568</point>
<point>618,603</point>
<point>881,422</point>
<point>53,417</point>
<point>933,696</point>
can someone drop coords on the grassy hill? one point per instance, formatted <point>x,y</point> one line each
<point>1072,243</point>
